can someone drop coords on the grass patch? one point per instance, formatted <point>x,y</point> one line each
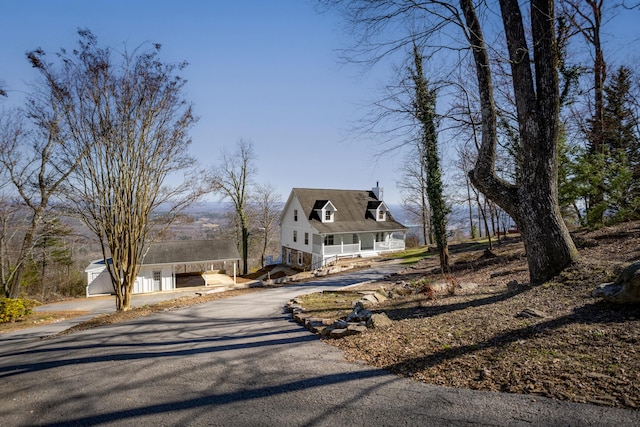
<point>413,255</point>
<point>329,304</point>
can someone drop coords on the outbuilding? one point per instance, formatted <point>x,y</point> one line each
<point>163,262</point>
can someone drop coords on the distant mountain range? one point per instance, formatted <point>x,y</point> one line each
<point>209,207</point>
<point>458,218</point>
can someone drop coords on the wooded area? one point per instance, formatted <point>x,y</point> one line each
<point>529,123</point>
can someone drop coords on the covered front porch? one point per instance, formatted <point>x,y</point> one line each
<point>333,246</point>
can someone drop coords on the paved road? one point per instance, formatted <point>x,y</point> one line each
<point>240,362</point>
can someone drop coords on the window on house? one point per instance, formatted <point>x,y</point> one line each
<point>306,238</point>
<point>328,240</point>
<point>295,214</point>
<point>327,215</point>
<point>355,239</point>
<point>381,215</point>
<point>299,258</point>
<point>295,236</point>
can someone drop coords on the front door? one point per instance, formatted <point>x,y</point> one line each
<point>157,277</point>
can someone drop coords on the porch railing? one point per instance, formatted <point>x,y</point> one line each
<point>390,245</point>
<point>355,248</point>
<point>343,249</point>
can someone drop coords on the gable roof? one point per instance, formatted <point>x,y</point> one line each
<point>320,204</point>
<point>352,211</point>
<point>183,252</point>
<point>375,204</point>
<point>186,251</point>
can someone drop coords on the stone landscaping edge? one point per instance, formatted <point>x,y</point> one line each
<point>361,317</point>
<point>358,321</point>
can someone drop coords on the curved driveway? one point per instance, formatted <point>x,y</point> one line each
<point>241,362</point>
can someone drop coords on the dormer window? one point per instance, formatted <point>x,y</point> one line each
<point>325,210</point>
<point>377,210</point>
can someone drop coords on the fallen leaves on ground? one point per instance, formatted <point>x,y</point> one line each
<point>552,340</point>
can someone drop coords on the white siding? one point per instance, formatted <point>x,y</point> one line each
<point>99,282</point>
<point>301,226</point>
<point>144,283</point>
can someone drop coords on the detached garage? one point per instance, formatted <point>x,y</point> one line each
<point>163,263</point>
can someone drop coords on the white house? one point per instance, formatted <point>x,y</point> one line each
<point>320,225</point>
<point>158,269</point>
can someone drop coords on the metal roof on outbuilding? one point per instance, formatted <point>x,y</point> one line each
<point>184,252</point>
<point>188,251</point>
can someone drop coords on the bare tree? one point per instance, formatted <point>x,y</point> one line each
<point>266,207</point>
<point>532,199</point>
<point>127,125</point>
<point>36,171</point>
<point>413,187</point>
<point>464,163</point>
<point>232,178</point>
<point>9,210</point>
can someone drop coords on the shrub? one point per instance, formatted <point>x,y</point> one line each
<point>452,285</point>
<point>12,309</point>
<point>423,286</point>
<point>412,241</point>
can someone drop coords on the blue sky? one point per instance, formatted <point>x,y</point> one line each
<point>263,70</point>
<point>266,71</point>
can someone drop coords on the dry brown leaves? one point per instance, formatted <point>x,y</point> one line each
<point>489,338</point>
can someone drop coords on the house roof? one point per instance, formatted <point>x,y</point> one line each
<point>320,204</point>
<point>186,251</point>
<point>374,204</point>
<point>352,211</point>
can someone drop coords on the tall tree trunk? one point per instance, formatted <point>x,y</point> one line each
<point>15,278</point>
<point>483,211</point>
<point>471,228</point>
<point>424,206</point>
<point>265,240</point>
<point>494,220</point>
<point>425,106</point>
<point>245,248</point>
<point>533,200</point>
<point>4,265</point>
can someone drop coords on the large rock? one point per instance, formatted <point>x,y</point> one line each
<point>381,295</point>
<point>381,321</point>
<point>359,313</point>
<point>338,333</point>
<point>625,290</point>
<point>355,329</point>
<point>371,298</point>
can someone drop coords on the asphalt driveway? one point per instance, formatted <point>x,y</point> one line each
<point>241,362</point>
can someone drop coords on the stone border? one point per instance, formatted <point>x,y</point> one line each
<point>361,319</point>
<point>357,322</point>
